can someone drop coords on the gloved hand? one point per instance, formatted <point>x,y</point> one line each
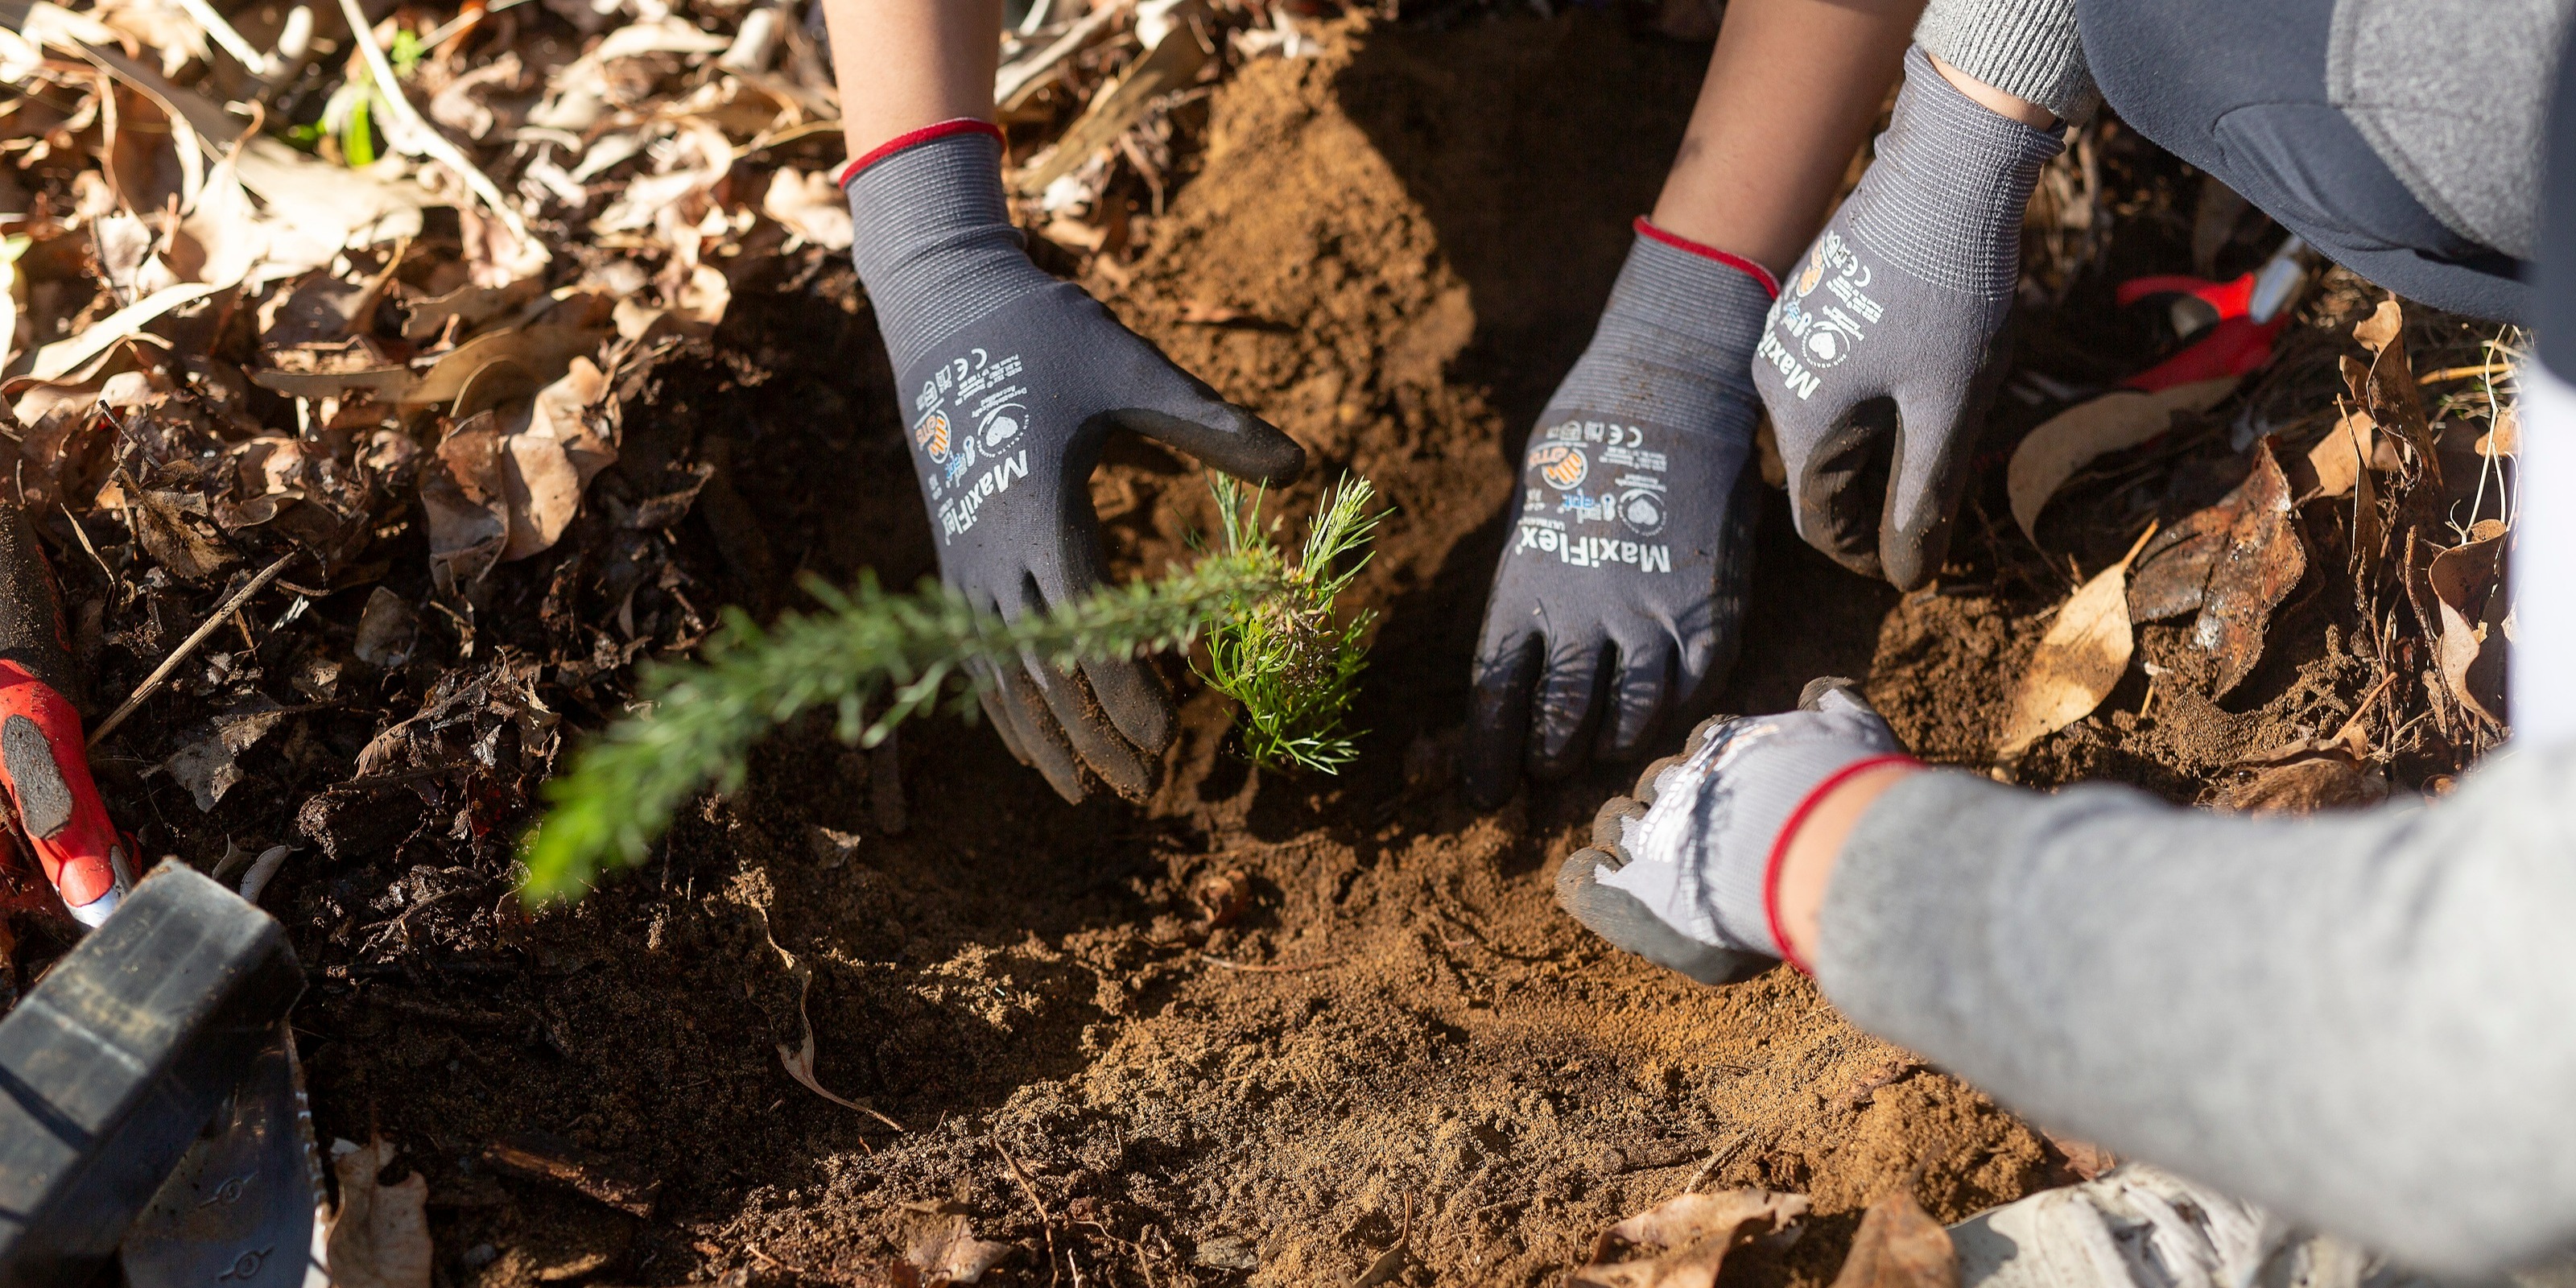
<point>1682,874</point>
<point>1902,297</point>
<point>1010,380</point>
<point>44,764</point>
<point>1621,584</point>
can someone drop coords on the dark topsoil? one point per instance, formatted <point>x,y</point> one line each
<point>1401,1038</point>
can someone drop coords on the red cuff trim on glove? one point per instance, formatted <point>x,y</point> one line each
<point>962,125</point>
<point>1770,284</point>
<point>1789,833</point>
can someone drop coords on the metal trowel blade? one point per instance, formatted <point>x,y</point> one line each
<point>244,1208</point>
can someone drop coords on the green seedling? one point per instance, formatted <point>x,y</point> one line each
<point>877,659</point>
<point>1290,662</point>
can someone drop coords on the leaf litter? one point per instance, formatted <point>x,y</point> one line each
<point>1684,1241</point>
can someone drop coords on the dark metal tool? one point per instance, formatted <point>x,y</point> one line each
<point>243,1208</point>
<point>113,1064</point>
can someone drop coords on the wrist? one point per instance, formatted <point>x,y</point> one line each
<point>863,157</point>
<point>2011,107</point>
<point>1811,844</point>
<point>1650,230</point>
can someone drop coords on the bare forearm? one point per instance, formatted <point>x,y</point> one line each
<point>904,64</point>
<point>1792,88</point>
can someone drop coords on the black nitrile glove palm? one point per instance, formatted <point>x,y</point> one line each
<point>1903,298</point>
<point>1622,579</point>
<point>1010,381</point>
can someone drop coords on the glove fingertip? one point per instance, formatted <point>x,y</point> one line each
<point>1575,881</point>
<point>1498,719</point>
<point>1609,824</point>
<point>1829,692</point>
<point>1136,701</point>
<point>1225,437</point>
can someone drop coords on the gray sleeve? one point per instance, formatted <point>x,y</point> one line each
<point>2026,48</point>
<point>2364,1022</point>
<point>2454,96</point>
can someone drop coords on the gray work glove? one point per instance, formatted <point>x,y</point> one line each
<point>1681,873</point>
<point>1903,297</point>
<point>1617,601</point>
<point>1010,380</point>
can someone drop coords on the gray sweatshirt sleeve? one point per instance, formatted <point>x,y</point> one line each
<point>2364,1022</point>
<point>2026,48</point>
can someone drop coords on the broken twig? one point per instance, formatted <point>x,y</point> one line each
<point>214,621</point>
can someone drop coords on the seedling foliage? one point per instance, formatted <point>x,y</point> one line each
<point>877,659</point>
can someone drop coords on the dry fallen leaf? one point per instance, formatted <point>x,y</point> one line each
<point>209,765</point>
<point>176,544</point>
<point>380,1236</point>
<point>386,628</point>
<point>2307,786</point>
<point>510,476</point>
<point>469,305</point>
<point>2338,457</point>
<point>2387,390</point>
<point>2084,1158</point>
<point>466,499</point>
<point>1898,1246</point>
<point>547,352</point>
<point>799,1059</point>
<point>2234,562</point>
<point>2075,437</point>
<point>949,1254</point>
<point>1222,896</point>
<point>1170,63</point>
<point>2261,562</point>
<point>2505,439</point>
<point>2465,580</point>
<point>810,205</point>
<point>1689,1238</point>
<point>2078,662</point>
<point>63,357</point>
<point>553,455</point>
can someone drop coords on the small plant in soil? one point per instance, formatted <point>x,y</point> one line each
<point>1292,662</point>
<point>878,659</point>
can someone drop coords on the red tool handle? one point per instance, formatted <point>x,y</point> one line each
<point>2234,347</point>
<point>44,763</point>
<point>2232,299</point>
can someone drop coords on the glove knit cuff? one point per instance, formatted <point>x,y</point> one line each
<point>1944,196</point>
<point>1677,310</point>
<point>933,239</point>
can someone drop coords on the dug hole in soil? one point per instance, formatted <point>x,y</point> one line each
<point>1259,1029</point>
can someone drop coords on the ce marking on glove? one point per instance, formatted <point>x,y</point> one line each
<point>1574,452</point>
<point>997,414</point>
<point>1820,333</point>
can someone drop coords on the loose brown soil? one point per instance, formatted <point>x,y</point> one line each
<point>1401,1038</point>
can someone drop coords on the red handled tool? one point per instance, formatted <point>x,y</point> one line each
<point>43,763</point>
<point>2252,311</point>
